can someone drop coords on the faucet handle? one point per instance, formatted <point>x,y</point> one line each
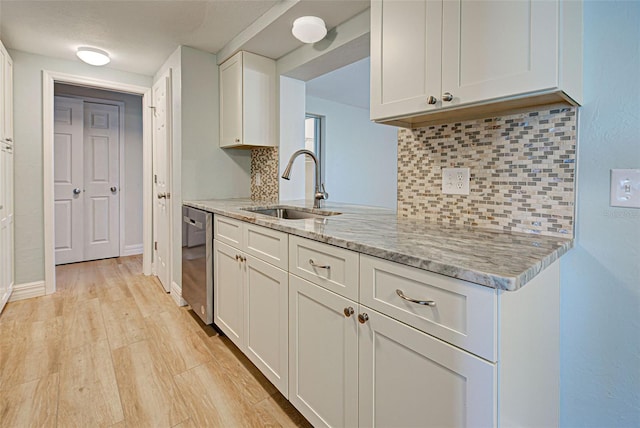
<point>323,194</point>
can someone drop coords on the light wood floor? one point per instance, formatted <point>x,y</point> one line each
<point>110,348</point>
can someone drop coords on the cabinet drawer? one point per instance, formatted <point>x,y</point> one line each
<point>463,314</point>
<point>267,244</point>
<point>335,268</point>
<point>228,230</point>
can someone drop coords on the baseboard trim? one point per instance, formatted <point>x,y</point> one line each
<point>132,250</point>
<point>176,293</point>
<point>27,291</point>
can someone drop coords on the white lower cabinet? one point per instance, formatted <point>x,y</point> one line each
<point>358,341</point>
<point>410,379</point>
<point>352,366</point>
<point>266,320</point>
<point>251,299</point>
<point>323,355</point>
<point>228,291</point>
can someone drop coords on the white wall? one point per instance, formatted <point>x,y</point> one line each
<point>360,158</point>
<point>292,112</point>
<point>200,168</point>
<point>600,300</point>
<point>132,155</point>
<point>29,213</point>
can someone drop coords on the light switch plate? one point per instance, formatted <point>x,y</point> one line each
<point>455,181</point>
<point>625,188</point>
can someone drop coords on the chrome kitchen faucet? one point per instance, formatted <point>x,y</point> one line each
<point>320,192</point>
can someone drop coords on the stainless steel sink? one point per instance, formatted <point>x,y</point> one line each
<point>292,213</point>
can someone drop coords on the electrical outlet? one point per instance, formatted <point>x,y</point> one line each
<point>455,181</point>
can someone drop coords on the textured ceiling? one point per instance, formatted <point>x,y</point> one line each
<point>140,34</point>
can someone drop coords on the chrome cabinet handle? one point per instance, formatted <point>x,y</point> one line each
<point>9,139</point>
<point>162,195</point>
<point>312,263</point>
<point>447,96</point>
<point>113,189</point>
<point>348,311</point>
<point>420,302</point>
<point>77,191</point>
<point>432,100</point>
<point>363,317</point>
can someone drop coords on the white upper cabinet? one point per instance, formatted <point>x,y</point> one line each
<point>247,101</point>
<point>446,59</point>
<point>405,56</point>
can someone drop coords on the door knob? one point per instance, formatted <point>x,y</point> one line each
<point>348,311</point>
<point>113,189</point>
<point>447,96</point>
<point>432,100</point>
<point>162,195</point>
<point>76,191</point>
<point>363,317</point>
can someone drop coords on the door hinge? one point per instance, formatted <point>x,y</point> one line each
<point>155,245</point>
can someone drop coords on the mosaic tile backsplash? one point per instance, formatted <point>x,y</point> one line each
<point>522,169</point>
<point>264,160</point>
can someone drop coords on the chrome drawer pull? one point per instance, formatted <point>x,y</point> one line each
<point>312,263</point>
<point>420,302</point>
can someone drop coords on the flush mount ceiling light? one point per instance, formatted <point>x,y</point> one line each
<point>93,56</point>
<point>309,29</point>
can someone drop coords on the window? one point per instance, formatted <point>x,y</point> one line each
<point>314,141</point>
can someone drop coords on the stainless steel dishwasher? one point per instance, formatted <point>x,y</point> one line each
<point>197,262</point>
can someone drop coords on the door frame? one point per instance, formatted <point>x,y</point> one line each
<point>49,78</point>
<point>121,155</point>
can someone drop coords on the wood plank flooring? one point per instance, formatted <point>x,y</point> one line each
<point>111,349</point>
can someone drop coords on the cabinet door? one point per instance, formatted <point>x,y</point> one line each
<point>231,101</point>
<point>492,49</point>
<point>323,355</point>
<point>410,379</point>
<point>405,56</point>
<point>8,99</point>
<point>267,321</point>
<point>228,285</point>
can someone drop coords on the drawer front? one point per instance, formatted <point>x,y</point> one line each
<point>462,314</point>
<point>267,244</point>
<point>335,269</point>
<point>228,230</point>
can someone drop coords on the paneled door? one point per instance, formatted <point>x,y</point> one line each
<point>161,174</point>
<point>68,179</point>
<point>86,180</point>
<point>101,181</point>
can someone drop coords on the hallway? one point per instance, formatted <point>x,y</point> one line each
<point>110,348</point>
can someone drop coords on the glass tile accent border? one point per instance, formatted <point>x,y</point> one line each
<point>522,172</point>
<point>265,161</point>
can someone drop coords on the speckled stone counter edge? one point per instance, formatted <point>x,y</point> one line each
<point>233,208</point>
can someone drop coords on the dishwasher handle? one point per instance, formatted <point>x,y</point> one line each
<point>192,222</point>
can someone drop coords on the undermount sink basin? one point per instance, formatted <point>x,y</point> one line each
<point>292,213</point>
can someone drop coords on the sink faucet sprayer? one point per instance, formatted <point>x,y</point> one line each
<point>320,192</point>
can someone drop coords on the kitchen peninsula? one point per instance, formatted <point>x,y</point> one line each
<point>337,310</point>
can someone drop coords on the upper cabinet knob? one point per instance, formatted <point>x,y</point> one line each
<point>432,100</point>
<point>447,96</point>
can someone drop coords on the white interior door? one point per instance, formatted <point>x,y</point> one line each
<point>68,180</point>
<point>161,171</point>
<point>101,181</point>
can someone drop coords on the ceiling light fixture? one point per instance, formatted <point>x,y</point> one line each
<point>93,56</point>
<point>309,29</point>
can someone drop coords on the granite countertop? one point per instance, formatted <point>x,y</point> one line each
<point>502,260</point>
